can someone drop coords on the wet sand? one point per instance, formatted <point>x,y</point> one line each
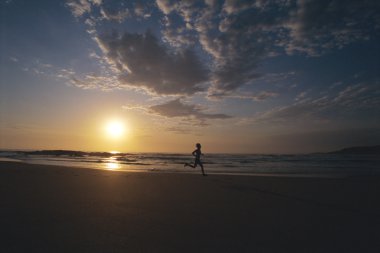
<point>62,209</point>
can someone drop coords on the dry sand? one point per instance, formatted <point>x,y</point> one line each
<point>61,209</point>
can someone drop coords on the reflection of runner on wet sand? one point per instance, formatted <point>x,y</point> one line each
<point>197,153</point>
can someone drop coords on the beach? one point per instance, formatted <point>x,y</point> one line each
<point>64,209</point>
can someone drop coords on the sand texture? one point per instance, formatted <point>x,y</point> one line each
<point>61,209</point>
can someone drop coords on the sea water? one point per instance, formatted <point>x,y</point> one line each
<point>241,164</point>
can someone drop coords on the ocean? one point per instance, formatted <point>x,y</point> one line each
<point>306,165</point>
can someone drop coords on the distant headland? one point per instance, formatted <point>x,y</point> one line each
<point>72,153</point>
<point>368,150</point>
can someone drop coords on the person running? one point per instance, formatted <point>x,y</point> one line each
<point>197,153</point>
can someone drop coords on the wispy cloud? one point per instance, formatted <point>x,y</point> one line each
<point>14,59</point>
<point>260,96</point>
<point>176,108</point>
<point>79,7</point>
<point>316,26</point>
<point>193,114</point>
<point>119,15</point>
<point>345,102</point>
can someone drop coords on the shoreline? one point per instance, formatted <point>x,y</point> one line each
<point>62,209</point>
<point>195,171</point>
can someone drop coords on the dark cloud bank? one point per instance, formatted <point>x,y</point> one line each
<point>237,35</point>
<point>145,63</point>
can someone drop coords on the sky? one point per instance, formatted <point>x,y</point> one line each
<point>279,76</point>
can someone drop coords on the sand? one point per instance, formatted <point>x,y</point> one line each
<point>62,209</point>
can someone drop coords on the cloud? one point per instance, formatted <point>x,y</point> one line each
<point>142,62</point>
<point>236,57</point>
<point>166,6</point>
<point>264,95</point>
<point>179,130</point>
<point>94,81</point>
<point>118,16</point>
<point>233,38</point>
<point>6,2</point>
<point>234,7</point>
<point>180,114</point>
<point>110,11</point>
<point>97,2</point>
<point>278,77</point>
<point>240,41</point>
<point>176,108</point>
<point>318,25</point>
<point>349,102</point>
<point>86,81</point>
<point>141,10</point>
<point>79,7</point>
<point>14,59</point>
<point>239,35</point>
<point>260,96</point>
<point>301,96</point>
<point>235,34</point>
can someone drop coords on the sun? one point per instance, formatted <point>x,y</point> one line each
<point>115,129</point>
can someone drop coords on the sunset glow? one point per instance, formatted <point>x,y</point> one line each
<point>237,76</point>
